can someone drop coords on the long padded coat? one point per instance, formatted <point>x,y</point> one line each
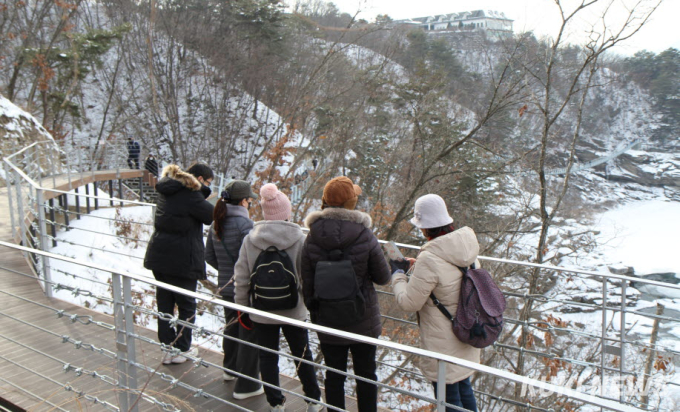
<point>176,246</point>
<point>436,270</point>
<point>349,230</point>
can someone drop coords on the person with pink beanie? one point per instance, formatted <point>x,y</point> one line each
<point>276,230</point>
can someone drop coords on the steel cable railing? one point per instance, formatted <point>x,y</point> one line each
<point>387,344</point>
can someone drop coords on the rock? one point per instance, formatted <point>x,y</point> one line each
<point>622,270</point>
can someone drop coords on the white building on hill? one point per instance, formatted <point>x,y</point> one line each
<point>487,20</point>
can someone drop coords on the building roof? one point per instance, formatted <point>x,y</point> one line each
<point>466,15</point>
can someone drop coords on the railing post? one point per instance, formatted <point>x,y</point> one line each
<point>20,206</point>
<point>622,358</point>
<point>96,194</point>
<point>53,225</point>
<point>44,242</point>
<point>441,386</point>
<point>604,333</point>
<point>120,190</point>
<point>111,192</point>
<point>125,345</point>
<point>130,340</point>
<point>141,188</point>
<point>87,199</point>
<point>77,196</point>
<point>9,199</point>
<point>121,341</point>
<point>67,221</point>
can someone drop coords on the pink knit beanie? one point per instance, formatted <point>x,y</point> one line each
<point>275,204</point>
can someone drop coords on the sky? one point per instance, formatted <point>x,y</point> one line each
<point>539,16</point>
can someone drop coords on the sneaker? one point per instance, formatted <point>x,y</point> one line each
<point>167,358</point>
<point>227,377</point>
<point>278,408</point>
<point>182,357</point>
<point>247,395</point>
<point>315,407</point>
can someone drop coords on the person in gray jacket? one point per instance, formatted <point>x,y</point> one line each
<point>231,225</point>
<point>275,230</point>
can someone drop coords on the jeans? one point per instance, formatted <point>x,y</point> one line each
<point>179,336</point>
<point>238,357</point>
<point>363,357</point>
<point>459,394</point>
<point>297,338</point>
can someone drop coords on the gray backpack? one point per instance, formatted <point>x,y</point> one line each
<point>479,318</point>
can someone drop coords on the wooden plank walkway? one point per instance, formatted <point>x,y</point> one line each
<point>23,347</point>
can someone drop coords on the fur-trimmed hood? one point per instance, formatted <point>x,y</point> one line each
<point>339,214</point>
<point>174,179</point>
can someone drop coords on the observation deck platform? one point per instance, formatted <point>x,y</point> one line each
<point>52,362</point>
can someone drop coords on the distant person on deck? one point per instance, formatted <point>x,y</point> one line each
<point>175,251</point>
<point>133,153</point>
<point>151,165</point>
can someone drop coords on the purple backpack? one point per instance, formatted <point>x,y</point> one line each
<point>479,318</point>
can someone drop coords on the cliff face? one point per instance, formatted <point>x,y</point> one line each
<point>661,169</point>
<point>18,129</point>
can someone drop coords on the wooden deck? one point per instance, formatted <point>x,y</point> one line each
<point>23,347</point>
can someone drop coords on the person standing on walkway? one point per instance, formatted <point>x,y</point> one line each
<point>437,271</point>
<point>232,224</point>
<point>133,153</point>
<point>276,230</point>
<point>175,251</point>
<point>151,165</point>
<point>340,229</point>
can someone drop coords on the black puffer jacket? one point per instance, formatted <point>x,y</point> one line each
<point>176,246</point>
<point>335,228</point>
<point>234,229</point>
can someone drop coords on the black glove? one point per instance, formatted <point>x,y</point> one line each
<point>401,264</point>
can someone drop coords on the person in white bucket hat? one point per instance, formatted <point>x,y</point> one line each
<point>436,271</point>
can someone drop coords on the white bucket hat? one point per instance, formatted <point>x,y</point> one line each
<point>430,212</point>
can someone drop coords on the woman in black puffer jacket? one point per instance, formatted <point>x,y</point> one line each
<point>339,227</point>
<point>175,251</point>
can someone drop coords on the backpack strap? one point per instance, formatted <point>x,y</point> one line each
<point>441,307</point>
<point>226,249</point>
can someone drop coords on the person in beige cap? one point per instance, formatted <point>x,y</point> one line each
<point>437,271</point>
<point>275,230</point>
<point>340,233</point>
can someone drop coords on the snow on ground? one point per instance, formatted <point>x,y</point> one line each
<point>643,235</point>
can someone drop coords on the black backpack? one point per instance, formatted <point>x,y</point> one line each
<point>273,284</point>
<point>338,298</point>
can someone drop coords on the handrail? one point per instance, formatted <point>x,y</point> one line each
<point>590,399</point>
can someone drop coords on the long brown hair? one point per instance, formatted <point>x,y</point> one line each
<point>219,216</point>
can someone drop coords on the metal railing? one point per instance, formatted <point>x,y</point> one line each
<point>553,348</point>
<point>127,339</point>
